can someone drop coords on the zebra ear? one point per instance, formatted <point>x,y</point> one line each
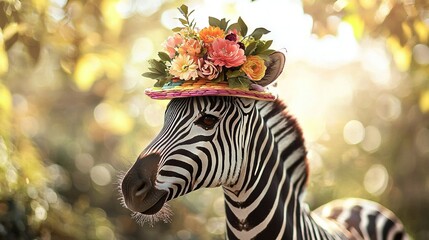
<point>274,65</point>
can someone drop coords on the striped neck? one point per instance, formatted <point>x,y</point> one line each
<point>266,200</point>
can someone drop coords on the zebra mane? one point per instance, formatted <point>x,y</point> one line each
<point>280,107</point>
<point>282,124</point>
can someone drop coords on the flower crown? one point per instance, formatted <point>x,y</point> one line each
<point>221,53</point>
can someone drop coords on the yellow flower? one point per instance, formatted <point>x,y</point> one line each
<point>209,34</point>
<point>184,67</point>
<point>254,68</point>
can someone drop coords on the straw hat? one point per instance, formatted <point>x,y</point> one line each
<point>259,90</point>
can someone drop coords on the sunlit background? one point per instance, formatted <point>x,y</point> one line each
<point>73,115</point>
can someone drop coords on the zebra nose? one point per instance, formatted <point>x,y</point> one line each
<point>142,189</point>
<point>140,181</point>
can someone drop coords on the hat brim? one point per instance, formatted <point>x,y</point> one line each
<point>203,87</point>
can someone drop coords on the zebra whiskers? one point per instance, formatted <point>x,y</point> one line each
<point>164,215</point>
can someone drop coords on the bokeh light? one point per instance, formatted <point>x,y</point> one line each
<point>354,132</point>
<point>388,107</point>
<point>101,174</point>
<point>421,54</point>
<point>372,140</point>
<point>422,141</point>
<point>84,162</point>
<point>376,179</point>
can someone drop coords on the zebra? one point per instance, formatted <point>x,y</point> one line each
<point>255,151</point>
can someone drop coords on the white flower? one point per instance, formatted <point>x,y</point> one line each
<point>184,67</point>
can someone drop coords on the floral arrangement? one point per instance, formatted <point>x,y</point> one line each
<point>220,52</point>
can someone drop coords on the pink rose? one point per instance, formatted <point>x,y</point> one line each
<point>172,43</point>
<point>207,69</point>
<point>226,53</point>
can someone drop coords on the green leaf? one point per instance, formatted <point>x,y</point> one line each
<point>223,24</point>
<point>265,46</point>
<point>219,78</point>
<point>239,82</point>
<point>164,56</point>
<point>250,48</point>
<point>158,65</point>
<point>234,74</point>
<point>214,22</point>
<point>161,82</point>
<point>183,9</point>
<point>152,63</point>
<point>262,46</point>
<point>183,21</point>
<point>152,75</point>
<point>154,70</point>
<point>177,29</point>
<point>257,33</point>
<point>243,27</point>
<point>234,26</point>
<point>266,53</point>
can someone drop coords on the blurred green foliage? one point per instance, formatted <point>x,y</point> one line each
<point>72,113</point>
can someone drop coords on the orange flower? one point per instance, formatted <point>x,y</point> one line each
<point>254,68</point>
<point>209,34</point>
<point>191,47</point>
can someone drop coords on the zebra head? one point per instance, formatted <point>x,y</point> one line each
<point>202,144</point>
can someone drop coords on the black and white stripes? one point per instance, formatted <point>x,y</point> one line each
<point>255,151</point>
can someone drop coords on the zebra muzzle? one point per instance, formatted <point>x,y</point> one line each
<point>138,189</point>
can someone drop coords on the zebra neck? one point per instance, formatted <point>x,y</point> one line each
<point>266,200</point>
<point>270,205</point>
<point>290,222</point>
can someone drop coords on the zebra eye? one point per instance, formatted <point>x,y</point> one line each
<point>207,121</point>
